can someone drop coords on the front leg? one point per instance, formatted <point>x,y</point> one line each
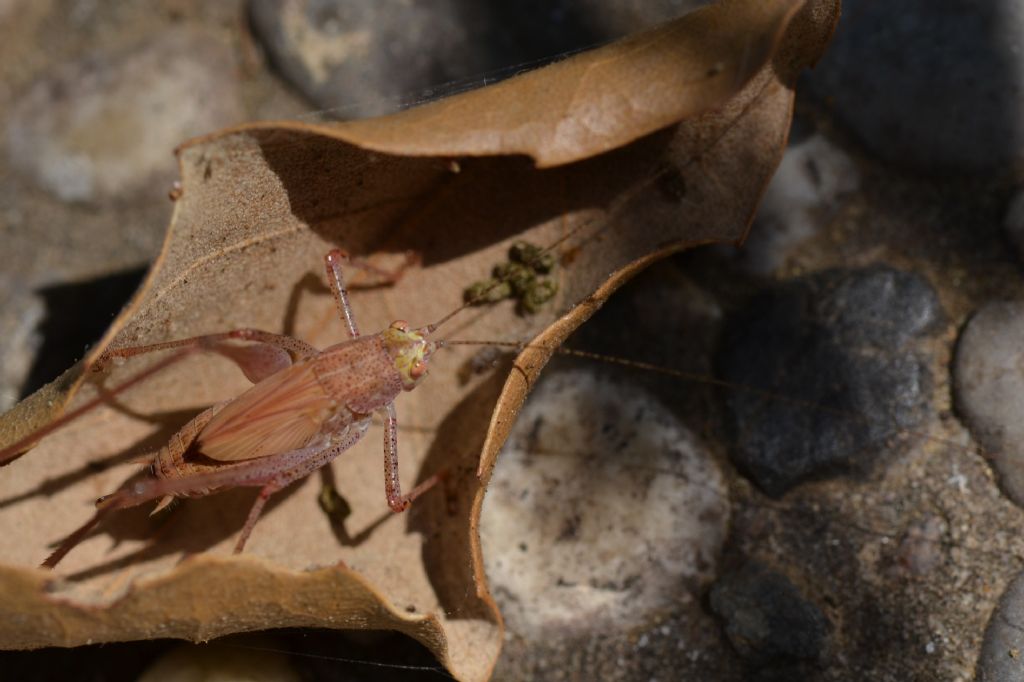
<point>392,486</point>
<point>333,262</point>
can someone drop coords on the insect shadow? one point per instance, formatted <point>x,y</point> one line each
<point>187,527</point>
<point>167,425</point>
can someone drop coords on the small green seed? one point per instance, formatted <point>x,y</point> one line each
<point>532,256</point>
<point>519,277</point>
<point>544,263</point>
<point>545,290</point>
<point>540,293</point>
<point>487,291</point>
<point>523,252</point>
<point>490,291</point>
<point>500,292</point>
<point>473,294</point>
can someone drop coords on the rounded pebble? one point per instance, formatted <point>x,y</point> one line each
<point>106,127</point>
<point>1002,650</point>
<point>988,382</point>
<point>359,59</point>
<point>841,340</point>
<point>935,85</point>
<point>921,549</point>
<point>603,510</point>
<point>766,617</point>
<point>800,199</point>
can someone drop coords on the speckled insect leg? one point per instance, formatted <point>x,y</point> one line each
<point>392,486</point>
<point>267,354</point>
<point>304,468</point>
<point>292,465</point>
<point>165,465</point>
<point>298,348</point>
<point>332,262</point>
<point>270,352</point>
<point>268,473</point>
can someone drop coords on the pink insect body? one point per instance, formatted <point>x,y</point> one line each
<point>306,408</point>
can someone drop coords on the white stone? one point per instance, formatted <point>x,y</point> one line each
<point>618,506</point>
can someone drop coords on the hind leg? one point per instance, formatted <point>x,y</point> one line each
<point>270,474</point>
<point>266,354</point>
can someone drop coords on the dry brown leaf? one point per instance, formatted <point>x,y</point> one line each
<point>630,152</point>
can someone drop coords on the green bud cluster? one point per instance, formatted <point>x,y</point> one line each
<point>518,278</point>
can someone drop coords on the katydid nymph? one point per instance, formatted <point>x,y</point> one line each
<point>306,408</point>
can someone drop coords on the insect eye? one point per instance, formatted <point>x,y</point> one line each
<point>400,325</point>
<point>417,370</point>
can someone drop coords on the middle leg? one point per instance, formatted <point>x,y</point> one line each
<point>392,485</point>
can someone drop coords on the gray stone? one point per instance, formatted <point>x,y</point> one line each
<point>988,381</point>
<point>935,84</point>
<point>360,59</point>
<point>1002,651</point>
<point>105,128</point>
<point>834,351</point>
<point>766,617</point>
<point>356,59</point>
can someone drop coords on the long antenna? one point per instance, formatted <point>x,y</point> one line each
<point>693,377</point>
